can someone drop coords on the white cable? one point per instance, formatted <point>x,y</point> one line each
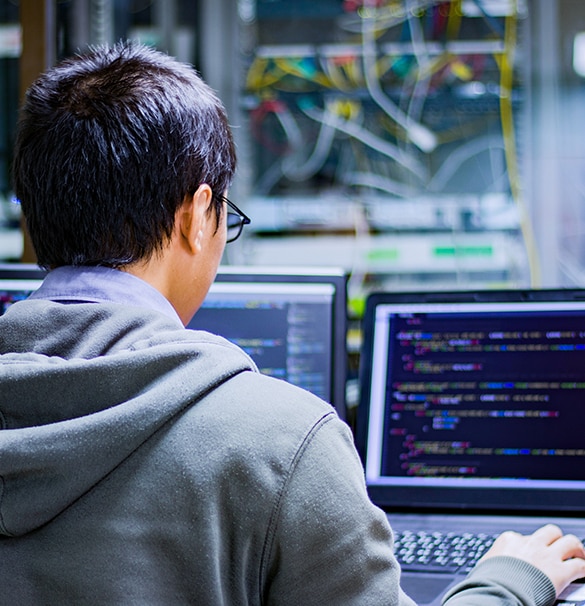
<point>454,161</point>
<point>293,167</point>
<point>422,56</point>
<point>368,139</point>
<point>416,35</point>
<point>290,127</point>
<point>390,18</point>
<point>418,133</point>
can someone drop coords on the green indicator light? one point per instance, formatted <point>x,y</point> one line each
<point>463,251</point>
<point>383,254</point>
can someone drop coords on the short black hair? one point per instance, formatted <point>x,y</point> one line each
<point>109,143</point>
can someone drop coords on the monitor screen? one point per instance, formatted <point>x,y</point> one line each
<point>17,282</point>
<point>292,323</point>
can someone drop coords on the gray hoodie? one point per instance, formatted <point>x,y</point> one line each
<point>141,463</point>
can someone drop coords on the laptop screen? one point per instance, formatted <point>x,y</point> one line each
<point>291,322</point>
<point>475,400</point>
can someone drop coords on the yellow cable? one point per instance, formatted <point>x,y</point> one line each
<point>353,72</point>
<point>337,76</point>
<point>454,20</point>
<point>258,76</point>
<point>288,67</point>
<point>507,119</point>
<point>254,75</point>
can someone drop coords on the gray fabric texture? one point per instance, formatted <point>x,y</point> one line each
<point>505,581</point>
<point>145,464</point>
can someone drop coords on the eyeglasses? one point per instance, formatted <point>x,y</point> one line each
<point>236,219</point>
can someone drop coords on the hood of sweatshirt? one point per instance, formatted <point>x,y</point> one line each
<point>84,385</point>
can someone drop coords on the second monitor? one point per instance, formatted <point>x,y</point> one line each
<point>292,322</point>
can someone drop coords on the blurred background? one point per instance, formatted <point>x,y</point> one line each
<point>417,144</point>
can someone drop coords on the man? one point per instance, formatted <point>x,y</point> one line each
<point>142,463</point>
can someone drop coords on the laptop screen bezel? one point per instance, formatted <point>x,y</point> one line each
<point>447,498</point>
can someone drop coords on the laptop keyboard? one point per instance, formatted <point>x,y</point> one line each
<point>446,552</point>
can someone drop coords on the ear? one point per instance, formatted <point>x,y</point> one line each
<point>193,216</point>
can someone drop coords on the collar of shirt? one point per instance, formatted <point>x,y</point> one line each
<point>102,285</point>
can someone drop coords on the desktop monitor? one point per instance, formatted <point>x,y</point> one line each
<point>17,281</point>
<point>292,322</point>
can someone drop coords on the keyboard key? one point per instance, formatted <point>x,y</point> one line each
<point>440,552</point>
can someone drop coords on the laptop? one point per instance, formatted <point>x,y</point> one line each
<point>471,422</point>
<point>291,321</point>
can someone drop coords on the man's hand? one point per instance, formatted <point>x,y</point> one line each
<point>561,557</point>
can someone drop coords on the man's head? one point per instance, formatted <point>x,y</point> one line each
<point>109,145</point>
